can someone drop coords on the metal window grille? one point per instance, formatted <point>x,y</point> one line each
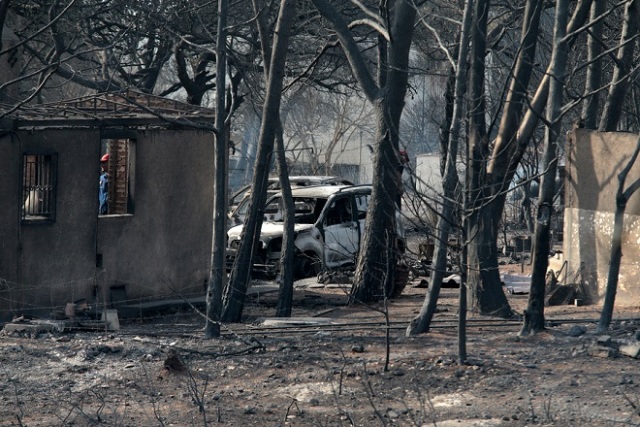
<point>38,186</point>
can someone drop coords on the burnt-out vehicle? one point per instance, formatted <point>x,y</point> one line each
<point>239,201</point>
<point>329,223</point>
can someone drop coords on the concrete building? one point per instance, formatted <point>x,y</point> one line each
<point>155,239</point>
<point>594,160</point>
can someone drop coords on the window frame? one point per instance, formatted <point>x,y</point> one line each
<point>52,181</point>
<point>130,138</point>
<point>345,211</point>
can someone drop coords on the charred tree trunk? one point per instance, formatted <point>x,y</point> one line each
<point>373,274</point>
<point>477,145</point>
<point>445,126</point>
<point>594,69</point>
<point>369,283</point>
<point>421,323</point>
<point>513,137</point>
<point>197,86</point>
<point>285,294</point>
<point>462,303</point>
<point>621,75</point>
<point>614,265</point>
<point>534,314</point>
<point>217,271</point>
<point>236,291</point>
<point>485,287</point>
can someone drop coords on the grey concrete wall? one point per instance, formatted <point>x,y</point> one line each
<point>9,217</point>
<point>594,160</point>
<point>49,263</point>
<point>163,249</point>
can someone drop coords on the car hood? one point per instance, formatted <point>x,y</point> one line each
<point>269,230</point>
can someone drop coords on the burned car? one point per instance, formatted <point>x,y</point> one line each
<point>329,222</point>
<point>239,201</point>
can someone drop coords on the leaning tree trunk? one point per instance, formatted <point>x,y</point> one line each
<point>485,287</point>
<point>514,136</point>
<point>236,292</point>
<point>622,197</point>
<point>594,68</point>
<point>615,100</point>
<point>217,270</point>
<point>285,296</point>
<point>534,313</point>
<point>422,322</point>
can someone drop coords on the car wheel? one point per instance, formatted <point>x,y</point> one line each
<point>308,265</point>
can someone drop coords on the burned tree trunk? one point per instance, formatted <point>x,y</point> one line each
<point>285,294</point>
<point>422,322</point>
<point>594,69</point>
<point>217,269</point>
<point>534,314</point>
<point>236,291</point>
<point>621,75</point>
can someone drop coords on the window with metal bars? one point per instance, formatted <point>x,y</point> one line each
<point>39,187</point>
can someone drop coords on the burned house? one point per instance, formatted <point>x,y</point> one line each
<point>154,238</point>
<point>594,161</point>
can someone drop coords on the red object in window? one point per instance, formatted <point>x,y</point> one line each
<point>104,158</point>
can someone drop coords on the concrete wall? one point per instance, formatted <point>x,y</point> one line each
<point>594,160</point>
<point>10,198</point>
<point>164,246</point>
<point>45,260</point>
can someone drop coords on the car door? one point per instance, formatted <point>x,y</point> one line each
<point>361,202</point>
<point>341,232</point>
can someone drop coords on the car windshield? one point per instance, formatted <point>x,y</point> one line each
<point>307,209</point>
